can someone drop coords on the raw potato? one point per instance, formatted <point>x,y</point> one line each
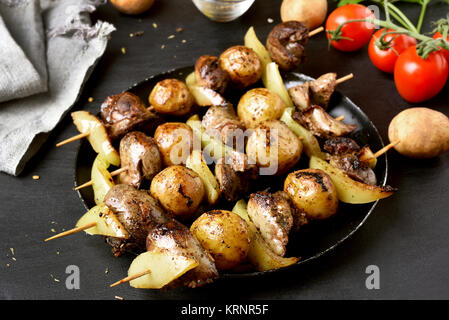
<point>423,132</point>
<point>174,141</point>
<point>311,13</point>
<point>107,223</point>
<point>260,255</point>
<point>312,192</point>
<point>102,180</point>
<point>171,96</point>
<point>349,190</point>
<point>242,65</point>
<point>197,163</point>
<point>274,147</point>
<point>273,82</point>
<point>225,235</point>
<point>132,6</point>
<point>98,137</point>
<point>258,105</point>
<point>311,145</point>
<point>179,190</point>
<point>164,267</point>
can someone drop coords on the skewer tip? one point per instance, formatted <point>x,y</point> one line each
<point>71,231</point>
<point>130,278</point>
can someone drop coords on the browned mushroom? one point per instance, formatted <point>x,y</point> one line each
<point>272,214</point>
<point>286,44</point>
<point>300,96</point>
<point>323,88</point>
<point>233,183</point>
<point>222,120</point>
<point>139,153</point>
<point>208,74</point>
<point>125,112</point>
<point>321,124</point>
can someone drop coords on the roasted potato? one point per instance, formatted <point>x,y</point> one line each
<point>98,137</point>
<point>312,192</point>
<point>174,141</point>
<point>259,254</point>
<point>179,190</point>
<point>164,266</point>
<point>132,6</point>
<point>107,224</point>
<point>102,180</point>
<point>197,163</point>
<point>274,147</point>
<point>310,142</point>
<point>171,96</point>
<point>349,190</point>
<point>422,132</point>
<point>224,235</point>
<point>258,105</point>
<point>242,65</point>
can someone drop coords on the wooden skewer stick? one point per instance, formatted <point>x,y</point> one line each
<point>130,278</point>
<point>150,108</point>
<point>74,138</point>
<point>381,151</point>
<point>316,31</point>
<point>345,78</point>
<point>340,118</point>
<point>113,174</point>
<point>386,148</point>
<point>72,231</point>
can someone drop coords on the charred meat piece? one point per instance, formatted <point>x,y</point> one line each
<point>345,156</point>
<point>341,145</point>
<point>286,44</point>
<point>139,213</point>
<point>175,237</point>
<point>223,121</point>
<point>233,183</point>
<point>322,89</point>
<point>272,214</point>
<point>354,168</point>
<point>321,124</point>
<point>300,96</point>
<point>208,74</point>
<point>139,153</point>
<point>125,112</point>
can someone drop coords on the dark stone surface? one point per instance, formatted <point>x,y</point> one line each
<point>406,236</point>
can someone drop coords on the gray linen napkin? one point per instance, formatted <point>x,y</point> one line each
<point>73,49</point>
<point>23,67</point>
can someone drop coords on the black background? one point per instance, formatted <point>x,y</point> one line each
<point>406,236</point>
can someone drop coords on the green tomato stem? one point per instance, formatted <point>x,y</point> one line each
<point>409,24</point>
<point>422,15</point>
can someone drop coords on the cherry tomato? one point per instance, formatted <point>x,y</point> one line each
<point>355,34</point>
<point>440,36</point>
<point>385,59</point>
<point>419,79</point>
